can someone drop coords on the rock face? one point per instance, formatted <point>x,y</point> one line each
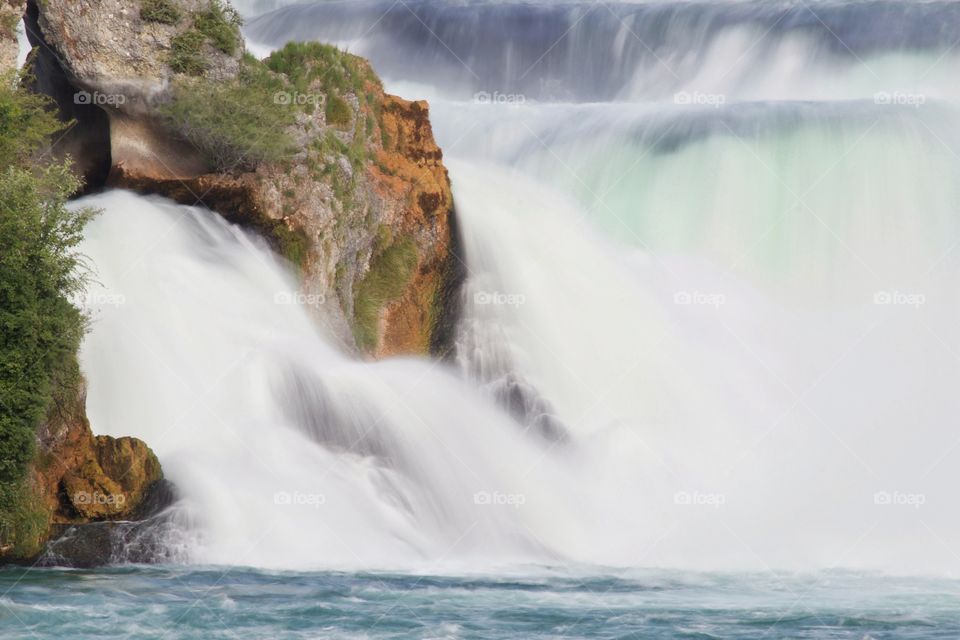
<point>79,478</point>
<point>362,197</point>
<point>11,11</point>
<point>105,65</point>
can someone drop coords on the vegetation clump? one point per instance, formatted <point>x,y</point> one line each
<point>186,53</point>
<point>337,111</point>
<point>162,11</point>
<point>40,272</point>
<point>391,268</point>
<point>220,24</point>
<point>217,25</point>
<point>236,124</point>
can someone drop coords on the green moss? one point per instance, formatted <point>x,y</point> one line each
<point>162,11</point>
<point>391,269</point>
<point>290,243</point>
<point>338,111</point>
<point>186,53</point>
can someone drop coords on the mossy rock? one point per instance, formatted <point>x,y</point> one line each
<point>391,269</point>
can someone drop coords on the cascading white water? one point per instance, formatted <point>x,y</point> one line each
<point>287,453</point>
<point>732,327</point>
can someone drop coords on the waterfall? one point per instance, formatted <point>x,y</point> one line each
<point>711,316</point>
<point>288,453</point>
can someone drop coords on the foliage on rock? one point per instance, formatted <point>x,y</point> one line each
<point>40,328</point>
<point>162,11</point>
<point>237,124</point>
<point>216,25</point>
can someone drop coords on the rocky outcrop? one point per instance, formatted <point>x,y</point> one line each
<point>79,478</point>
<point>360,202</point>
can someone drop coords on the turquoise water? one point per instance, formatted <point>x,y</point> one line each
<point>232,602</point>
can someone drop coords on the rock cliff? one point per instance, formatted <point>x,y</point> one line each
<point>11,12</point>
<point>304,148</point>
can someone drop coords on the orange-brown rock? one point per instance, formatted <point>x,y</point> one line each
<point>81,478</point>
<point>362,204</point>
<point>404,191</point>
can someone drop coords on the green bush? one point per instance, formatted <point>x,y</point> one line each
<point>40,329</point>
<point>221,24</point>
<point>27,121</point>
<point>336,71</point>
<point>217,25</point>
<point>235,124</point>
<point>162,11</point>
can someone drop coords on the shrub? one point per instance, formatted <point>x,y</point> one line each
<point>27,120</point>
<point>217,25</point>
<point>337,72</point>
<point>236,124</point>
<point>338,111</point>
<point>221,24</point>
<point>40,329</point>
<point>162,11</point>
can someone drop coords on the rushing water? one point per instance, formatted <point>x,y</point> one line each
<point>204,603</point>
<point>711,324</point>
